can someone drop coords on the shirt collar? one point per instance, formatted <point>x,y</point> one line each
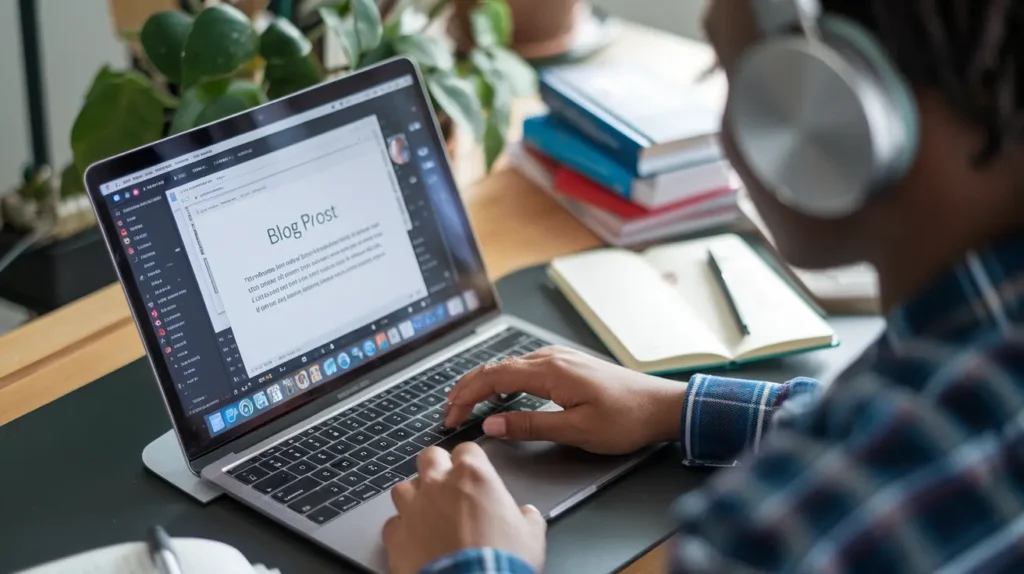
<point>983,294</point>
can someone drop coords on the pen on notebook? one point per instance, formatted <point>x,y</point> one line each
<point>716,270</point>
<point>160,551</point>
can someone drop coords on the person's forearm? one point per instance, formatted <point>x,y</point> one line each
<point>721,418</point>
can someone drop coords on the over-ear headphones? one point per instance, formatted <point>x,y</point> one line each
<point>822,118</point>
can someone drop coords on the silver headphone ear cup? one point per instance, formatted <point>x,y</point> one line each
<point>810,126</point>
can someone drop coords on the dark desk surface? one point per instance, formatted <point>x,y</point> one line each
<point>72,477</point>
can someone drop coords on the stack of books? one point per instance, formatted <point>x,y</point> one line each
<point>633,159</point>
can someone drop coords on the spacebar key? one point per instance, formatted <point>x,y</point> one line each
<point>470,433</point>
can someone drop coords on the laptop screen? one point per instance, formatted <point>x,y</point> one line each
<point>277,264</point>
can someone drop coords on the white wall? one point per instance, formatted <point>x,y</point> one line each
<point>77,38</point>
<point>677,16</point>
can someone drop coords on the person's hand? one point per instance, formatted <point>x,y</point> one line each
<point>458,502</point>
<point>607,409</point>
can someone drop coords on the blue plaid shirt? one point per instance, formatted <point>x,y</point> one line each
<point>913,461</point>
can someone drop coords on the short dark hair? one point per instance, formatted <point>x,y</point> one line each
<point>970,50</point>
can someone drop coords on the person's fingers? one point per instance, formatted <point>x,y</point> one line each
<point>469,452</point>
<point>495,379</point>
<point>402,495</point>
<point>560,426</point>
<point>533,517</point>
<point>433,463</point>
<point>390,532</point>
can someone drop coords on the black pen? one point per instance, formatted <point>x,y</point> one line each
<point>160,551</point>
<point>716,270</point>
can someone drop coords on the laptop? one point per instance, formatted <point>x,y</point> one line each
<point>308,289</point>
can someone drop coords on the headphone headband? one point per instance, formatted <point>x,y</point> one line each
<point>777,16</point>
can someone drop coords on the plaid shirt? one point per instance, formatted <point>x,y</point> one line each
<point>913,461</point>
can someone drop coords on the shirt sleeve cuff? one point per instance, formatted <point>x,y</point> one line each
<point>479,561</point>
<point>724,417</point>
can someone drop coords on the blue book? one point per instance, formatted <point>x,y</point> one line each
<point>649,127</point>
<point>556,139</point>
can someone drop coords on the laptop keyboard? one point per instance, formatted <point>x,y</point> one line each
<point>330,468</point>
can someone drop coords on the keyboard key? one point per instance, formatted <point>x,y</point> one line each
<point>421,387</point>
<point>332,421</point>
<point>350,425</point>
<point>290,442</point>
<point>396,418</point>
<point>352,479</point>
<point>359,438</point>
<point>301,468</point>
<point>434,415</point>
<point>344,503</point>
<point>406,469</point>
<point>294,453</point>
<point>383,443</point>
<point>426,439</point>
<point>348,412</point>
<point>274,463</point>
<point>527,403</point>
<point>369,414</point>
<point>386,480</point>
<point>371,469</point>
<point>465,434</point>
<point>336,487</point>
<point>270,451</point>
<point>344,464</point>
<point>387,405</point>
<point>378,428</point>
<point>314,443</point>
<point>440,378</point>
<point>364,453</point>
<point>252,474</point>
<point>340,448</point>
<point>311,431</point>
<point>312,500</point>
<point>390,458</point>
<point>432,400</point>
<point>331,434</point>
<point>244,465</point>
<point>400,434</point>
<point>417,425</point>
<point>408,449</point>
<point>406,396</point>
<point>321,458</point>
<point>274,481</point>
<point>325,474</point>
<point>324,514</point>
<point>364,492</point>
<point>445,390</point>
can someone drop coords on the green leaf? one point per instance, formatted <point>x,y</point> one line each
<point>522,78</point>
<point>428,51</point>
<point>123,111</point>
<point>457,97</point>
<point>71,183</point>
<point>369,28</point>
<point>163,38</point>
<point>283,42</point>
<point>194,100</point>
<point>345,32</point>
<point>491,23</point>
<point>496,131</point>
<point>285,78</point>
<point>239,97</point>
<point>104,75</point>
<point>222,40</point>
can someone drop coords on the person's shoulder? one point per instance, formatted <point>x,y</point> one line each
<point>972,386</point>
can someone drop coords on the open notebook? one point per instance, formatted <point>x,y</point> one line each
<point>663,310</point>
<point>195,556</point>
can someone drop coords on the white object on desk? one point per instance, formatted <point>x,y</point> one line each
<point>195,555</point>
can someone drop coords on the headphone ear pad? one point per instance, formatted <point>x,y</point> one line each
<point>855,41</point>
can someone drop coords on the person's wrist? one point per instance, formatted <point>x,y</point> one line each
<point>666,407</point>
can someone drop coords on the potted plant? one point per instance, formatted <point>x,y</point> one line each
<point>217,62</point>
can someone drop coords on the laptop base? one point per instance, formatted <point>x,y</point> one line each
<point>163,458</point>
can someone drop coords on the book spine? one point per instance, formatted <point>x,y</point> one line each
<point>569,150</point>
<point>596,124</point>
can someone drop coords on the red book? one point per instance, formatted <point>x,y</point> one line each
<point>574,185</point>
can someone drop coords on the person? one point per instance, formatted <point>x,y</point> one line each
<point>913,460</point>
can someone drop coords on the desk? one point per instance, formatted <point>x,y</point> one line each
<point>516,226</point>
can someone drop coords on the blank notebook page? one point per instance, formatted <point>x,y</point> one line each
<point>632,300</point>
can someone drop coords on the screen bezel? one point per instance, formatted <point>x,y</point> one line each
<point>194,442</point>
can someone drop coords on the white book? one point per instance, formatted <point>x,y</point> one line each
<point>195,556</point>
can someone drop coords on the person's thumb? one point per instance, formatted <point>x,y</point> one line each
<point>534,517</point>
<point>553,426</point>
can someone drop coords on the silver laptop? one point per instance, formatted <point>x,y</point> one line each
<point>308,289</point>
